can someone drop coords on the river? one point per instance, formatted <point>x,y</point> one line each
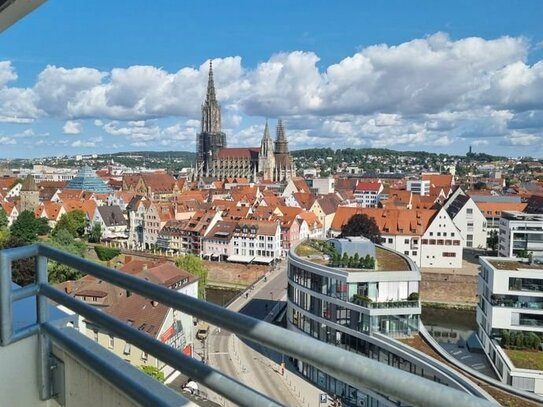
<point>449,325</point>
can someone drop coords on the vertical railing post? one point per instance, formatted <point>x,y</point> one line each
<point>44,343</point>
<point>5,299</point>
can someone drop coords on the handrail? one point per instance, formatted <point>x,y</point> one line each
<point>355,370</point>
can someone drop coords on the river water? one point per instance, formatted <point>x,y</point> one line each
<point>449,325</point>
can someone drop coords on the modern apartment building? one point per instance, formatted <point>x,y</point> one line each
<point>368,194</point>
<point>347,306</point>
<point>511,301</point>
<point>421,187</point>
<point>520,234</point>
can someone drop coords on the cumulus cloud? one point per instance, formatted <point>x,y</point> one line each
<point>72,127</point>
<point>92,142</point>
<point>429,91</point>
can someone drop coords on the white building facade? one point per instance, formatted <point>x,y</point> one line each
<point>510,300</point>
<point>520,234</point>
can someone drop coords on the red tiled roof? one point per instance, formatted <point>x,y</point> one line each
<point>368,186</point>
<point>390,221</point>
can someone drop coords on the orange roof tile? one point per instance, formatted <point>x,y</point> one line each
<point>390,221</point>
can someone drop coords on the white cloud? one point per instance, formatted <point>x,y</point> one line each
<point>7,140</point>
<point>92,142</point>
<point>432,91</point>
<point>72,127</point>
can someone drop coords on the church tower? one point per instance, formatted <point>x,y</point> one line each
<point>284,165</point>
<point>29,196</point>
<point>266,158</point>
<point>211,137</point>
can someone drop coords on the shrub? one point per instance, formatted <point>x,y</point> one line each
<point>106,253</point>
<point>414,296</point>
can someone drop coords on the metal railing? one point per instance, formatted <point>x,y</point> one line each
<point>353,369</point>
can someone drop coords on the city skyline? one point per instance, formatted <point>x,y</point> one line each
<point>436,80</point>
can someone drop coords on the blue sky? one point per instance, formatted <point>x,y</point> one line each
<point>81,77</point>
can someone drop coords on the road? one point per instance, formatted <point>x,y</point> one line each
<point>250,363</point>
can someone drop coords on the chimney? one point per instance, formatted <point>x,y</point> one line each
<point>69,287</point>
<point>154,303</point>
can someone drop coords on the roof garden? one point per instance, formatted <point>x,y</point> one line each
<point>385,260</point>
<point>525,359</point>
<point>514,265</point>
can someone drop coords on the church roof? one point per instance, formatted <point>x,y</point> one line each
<point>248,152</point>
<point>86,179</point>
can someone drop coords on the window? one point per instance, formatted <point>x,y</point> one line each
<point>390,240</point>
<point>439,233</point>
<point>414,253</point>
<point>440,241</point>
<point>143,355</point>
<point>406,241</point>
<point>449,254</point>
<point>431,233</point>
<point>126,350</point>
<point>424,241</point>
<point>452,234</point>
<point>415,241</point>
<point>406,252</point>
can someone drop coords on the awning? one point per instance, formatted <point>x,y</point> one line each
<point>264,260</point>
<point>240,259</point>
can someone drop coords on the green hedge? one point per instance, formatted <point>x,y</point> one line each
<point>106,253</point>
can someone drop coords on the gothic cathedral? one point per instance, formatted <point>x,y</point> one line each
<point>271,161</point>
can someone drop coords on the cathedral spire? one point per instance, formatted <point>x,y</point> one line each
<point>266,131</point>
<point>211,111</point>
<point>211,97</point>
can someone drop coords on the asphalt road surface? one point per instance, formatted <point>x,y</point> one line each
<point>250,363</point>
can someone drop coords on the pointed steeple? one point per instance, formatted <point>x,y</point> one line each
<point>211,97</point>
<point>211,111</point>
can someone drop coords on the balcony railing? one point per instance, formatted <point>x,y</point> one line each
<point>353,369</point>
<point>368,303</point>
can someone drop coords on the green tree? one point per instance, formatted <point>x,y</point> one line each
<point>43,226</point>
<point>492,240</point>
<point>106,253</point>
<point>22,270</point>
<point>362,225</point>
<point>74,222</point>
<point>26,227</point>
<point>3,219</point>
<point>194,265</point>
<point>345,260</point>
<point>355,262</point>
<point>153,372</point>
<point>95,235</point>
<point>64,240</point>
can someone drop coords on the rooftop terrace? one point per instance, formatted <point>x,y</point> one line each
<point>386,260</point>
<point>514,265</point>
